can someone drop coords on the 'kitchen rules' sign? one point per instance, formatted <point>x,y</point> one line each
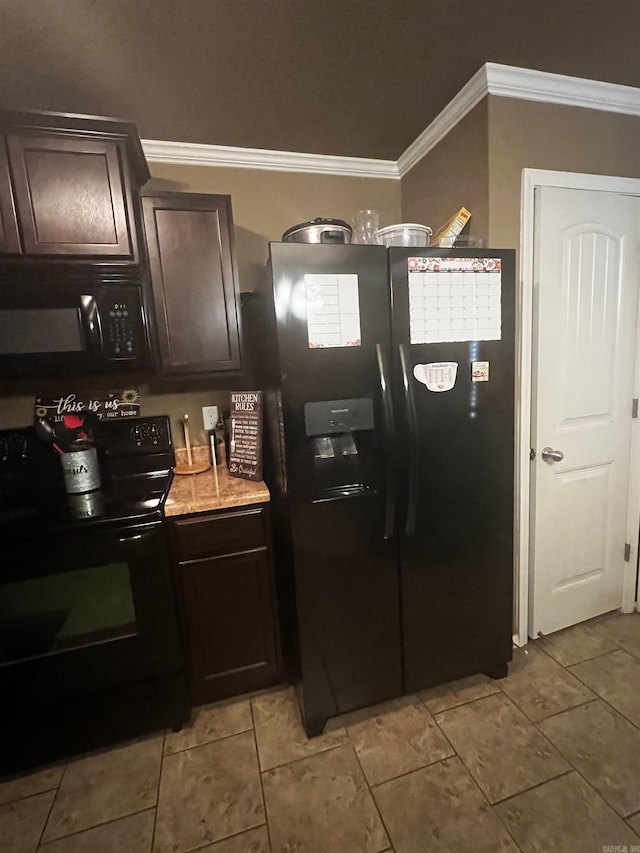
<point>245,440</point>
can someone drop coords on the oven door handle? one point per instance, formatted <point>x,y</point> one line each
<point>135,537</point>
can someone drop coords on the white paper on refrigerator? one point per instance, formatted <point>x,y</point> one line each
<point>333,310</point>
<point>454,299</point>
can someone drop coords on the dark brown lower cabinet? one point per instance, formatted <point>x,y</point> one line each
<point>225,587</point>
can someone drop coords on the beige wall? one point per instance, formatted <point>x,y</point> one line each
<point>452,175</point>
<point>525,134</point>
<point>266,203</point>
<point>17,411</point>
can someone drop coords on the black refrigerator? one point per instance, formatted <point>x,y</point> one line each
<point>390,445</point>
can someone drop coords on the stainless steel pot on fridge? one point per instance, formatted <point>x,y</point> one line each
<point>332,231</point>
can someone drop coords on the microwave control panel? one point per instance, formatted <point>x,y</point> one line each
<point>121,325</point>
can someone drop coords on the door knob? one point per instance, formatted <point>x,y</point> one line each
<point>551,455</point>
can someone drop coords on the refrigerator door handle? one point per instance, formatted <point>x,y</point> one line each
<point>412,426</point>
<point>390,443</point>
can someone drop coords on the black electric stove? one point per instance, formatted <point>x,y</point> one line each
<point>90,650</point>
<point>135,457</point>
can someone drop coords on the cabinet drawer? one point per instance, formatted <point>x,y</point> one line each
<point>220,533</point>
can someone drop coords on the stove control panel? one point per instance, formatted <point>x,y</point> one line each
<point>136,436</point>
<point>147,434</point>
<point>13,446</point>
<point>20,449</point>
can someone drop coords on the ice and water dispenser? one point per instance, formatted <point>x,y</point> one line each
<point>341,442</point>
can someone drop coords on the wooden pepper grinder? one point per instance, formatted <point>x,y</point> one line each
<point>190,467</point>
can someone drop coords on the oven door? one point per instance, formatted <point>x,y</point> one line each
<point>85,611</point>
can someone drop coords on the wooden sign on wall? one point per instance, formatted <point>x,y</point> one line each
<point>105,404</point>
<point>245,440</point>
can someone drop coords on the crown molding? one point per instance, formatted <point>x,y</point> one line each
<point>467,98</point>
<point>504,81</point>
<point>195,154</point>
<point>507,81</point>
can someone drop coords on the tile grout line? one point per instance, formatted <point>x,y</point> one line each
<point>540,784</point>
<point>461,759</point>
<point>226,838</point>
<point>299,716</point>
<point>563,711</point>
<point>461,704</point>
<point>391,844</point>
<point>544,641</point>
<point>573,766</point>
<point>486,800</point>
<point>55,797</point>
<point>302,758</point>
<point>155,809</point>
<point>614,619</point>
<point>44,846</point>
<point>464,705</point>
<point>207,742</point>
<point>415,770</point>
<point>264,799</point>
<point>606,701</point>
<point>14,800</point>
<point>442,731</point>
<point>555,713</point>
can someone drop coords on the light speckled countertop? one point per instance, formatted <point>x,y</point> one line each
<point>205,492</point>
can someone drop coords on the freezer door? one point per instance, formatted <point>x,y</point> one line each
<point>453,342</point>
<point>333,321</point>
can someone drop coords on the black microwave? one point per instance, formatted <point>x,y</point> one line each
<point>71,321</point>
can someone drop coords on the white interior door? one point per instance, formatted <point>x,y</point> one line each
<point>587,246</point>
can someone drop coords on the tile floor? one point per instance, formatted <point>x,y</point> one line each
<point>546,759</point>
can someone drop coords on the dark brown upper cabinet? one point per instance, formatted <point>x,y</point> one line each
<point>194,280</point>
<point>66,186</point>
<point>70,196</point>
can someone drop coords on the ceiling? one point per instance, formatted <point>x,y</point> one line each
<point>350,77</point>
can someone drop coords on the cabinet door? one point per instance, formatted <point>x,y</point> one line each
<point>230,630</point>
<point>9,236</point>
<point>189,243</point>
<point>71,196</point>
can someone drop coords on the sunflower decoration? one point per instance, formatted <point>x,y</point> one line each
<point>130,396</point>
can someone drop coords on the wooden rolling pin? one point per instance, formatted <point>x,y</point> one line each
<point>190,467</point>
<point>187,440</point>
